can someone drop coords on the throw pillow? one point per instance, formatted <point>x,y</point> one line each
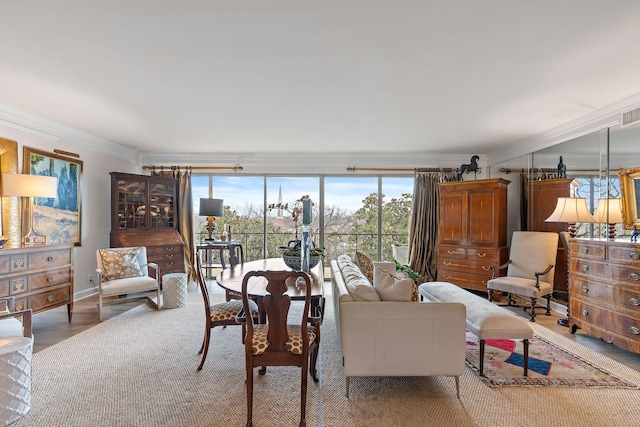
<point>366,266</point>
<point>416,295</point>
<point>388,286</point>
<point>120,264</point>
<point>358,286</point>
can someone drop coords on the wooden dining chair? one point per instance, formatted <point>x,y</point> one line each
<point>221,314</point>
<point>277,343</point>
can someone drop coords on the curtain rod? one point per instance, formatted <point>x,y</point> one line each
<point>354,169</point>
<point>189,168</point>
<point>544,170</point>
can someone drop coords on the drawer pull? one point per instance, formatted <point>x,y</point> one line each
<point>585,250</point>
<point>168,255</point>
<point>168,264</point>
<point>585,288</point>
<point>446,263</point>
<point>634,301</point>
<point>169,248</point>
<point>634,276</point>
<point>450,252</point>
<point>634,255</point>
<point>49,258</point>
<point>584,312</point>
<point>49,279</point>
<point>482,255</point>
<point>50,298</point>
<point>585,267</point>
<point>485,268</point>
<point>634,330</point>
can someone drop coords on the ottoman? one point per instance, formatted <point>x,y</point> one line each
<point>174,290</point>
<point>15,378</point>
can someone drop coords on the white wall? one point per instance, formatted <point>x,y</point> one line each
<point>96,192</point>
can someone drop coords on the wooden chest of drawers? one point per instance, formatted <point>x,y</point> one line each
<point>39,278</point>
<point>604,291</point>
<point>164,247</point>
<point>469,268</point>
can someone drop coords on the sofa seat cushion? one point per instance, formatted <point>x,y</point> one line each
<point>357,284</point>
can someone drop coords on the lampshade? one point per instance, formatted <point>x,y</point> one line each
<point>571,210</point>
<point>609,211</point>
<point>211,207</point>
<point>24,185</point>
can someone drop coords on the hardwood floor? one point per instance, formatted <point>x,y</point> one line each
<point>52,326</point>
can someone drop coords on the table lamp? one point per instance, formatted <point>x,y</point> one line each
<point>609,211</point>
<point>211,208</point>
<point>571,210</point>
<point>30,186</point>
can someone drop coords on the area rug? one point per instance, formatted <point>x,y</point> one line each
<point>549,365</point>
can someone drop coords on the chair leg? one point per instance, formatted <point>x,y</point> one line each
<point>548,297</point>
<point>532,314</point>
<point>303,392</point>
<point>481,357</point>
<point>249,382</point>
<point>525,342</point>
<point>205,346</point>
<point>100,306</point>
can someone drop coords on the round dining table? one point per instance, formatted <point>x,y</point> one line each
<point>231,278</point>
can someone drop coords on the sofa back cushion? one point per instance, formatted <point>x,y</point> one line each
<point>359,287</point>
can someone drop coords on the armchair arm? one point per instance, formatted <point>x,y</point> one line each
<point>495,269</point>
<point>156,270</point>
<point>26,320</point>
<point>7,304</point>
<point>542,273</point>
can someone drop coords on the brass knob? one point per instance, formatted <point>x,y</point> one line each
<point>634,330</point>
<point>50,279</point>
<point>585,250</point>
<point>585,267</point>
<point>634,255</point>
<point>634,276</point>
<point>634,301</point>
<point>50,298</point>
<point>49,258</point>
<point>585,288</point>
<point>584,312</point>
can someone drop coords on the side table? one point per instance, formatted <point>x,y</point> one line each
<point>174,290</point>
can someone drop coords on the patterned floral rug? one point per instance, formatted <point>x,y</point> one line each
<point>549,365</point>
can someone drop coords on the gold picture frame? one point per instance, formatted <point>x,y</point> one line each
<point>60,219</point>
<point>630,186</point>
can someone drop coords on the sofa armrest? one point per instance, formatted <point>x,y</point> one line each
<point>403,338</point>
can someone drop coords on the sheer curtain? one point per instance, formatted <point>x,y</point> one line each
<point>185,217</point>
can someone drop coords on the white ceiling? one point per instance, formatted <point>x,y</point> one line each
<point>369,76</point>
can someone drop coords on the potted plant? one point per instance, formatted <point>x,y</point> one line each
<point>292,254</point>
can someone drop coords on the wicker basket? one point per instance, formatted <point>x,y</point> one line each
<point>295,262</point>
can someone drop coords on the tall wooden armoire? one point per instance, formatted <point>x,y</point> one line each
<point>472,231</point>
<point>543,196</point>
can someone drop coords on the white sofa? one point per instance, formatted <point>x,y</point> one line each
<point>384,338</point>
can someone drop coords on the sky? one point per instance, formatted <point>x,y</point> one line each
<point>345,192</point>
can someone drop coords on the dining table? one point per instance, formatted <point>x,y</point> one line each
<point>231,278</point>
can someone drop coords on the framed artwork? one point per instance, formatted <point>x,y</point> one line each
<point>59,218</point>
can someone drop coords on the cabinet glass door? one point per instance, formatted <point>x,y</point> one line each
<point>131,204</point>
<point>161,197</point>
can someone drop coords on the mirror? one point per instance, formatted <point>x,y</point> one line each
<point>630,186</point>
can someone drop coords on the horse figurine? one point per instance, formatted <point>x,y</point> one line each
<point>470,167</point>
<point>635,234</point>
<point>562,169</point>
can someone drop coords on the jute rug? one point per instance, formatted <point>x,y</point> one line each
<point>139,369</point>
<point>549,365</point>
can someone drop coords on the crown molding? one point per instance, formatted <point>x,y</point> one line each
<point>26,122</point>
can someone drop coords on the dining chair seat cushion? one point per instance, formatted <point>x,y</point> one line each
<point>230,309</point>
<point>294,343</point>
<point>128,285</point>
<point>520,286</point>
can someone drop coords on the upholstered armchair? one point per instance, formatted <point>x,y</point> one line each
<point>530,270</point>
<point>125,271</point>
